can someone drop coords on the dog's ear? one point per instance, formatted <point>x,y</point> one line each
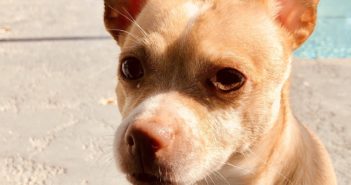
<point>120,15</point>
<point>298,17</point>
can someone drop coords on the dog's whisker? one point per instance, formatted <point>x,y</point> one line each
<point>208,175</point>
<point>131,19</point>
<point>206,180</point>
<point>239,168</point>
<point>233,166</point>
<point>222,177</point>
<point>124,31</point>
<point>135,22</point>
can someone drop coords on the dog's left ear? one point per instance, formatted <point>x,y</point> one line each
<point>120,15</point>
<point>298,17</point>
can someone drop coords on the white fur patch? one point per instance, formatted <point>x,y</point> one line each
<point>191,9</point>
<point>153,106</point>
<point>228,119</point>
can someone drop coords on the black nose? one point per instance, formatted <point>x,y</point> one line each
<point>144,140</point>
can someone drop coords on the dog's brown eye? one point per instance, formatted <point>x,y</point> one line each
<point>227,80</point>
<point>132,69</point>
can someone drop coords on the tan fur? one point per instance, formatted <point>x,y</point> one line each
<point>244,137</point>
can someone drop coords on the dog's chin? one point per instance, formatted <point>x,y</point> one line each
<point>149,179</point>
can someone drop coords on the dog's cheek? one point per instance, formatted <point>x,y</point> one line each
<point>121,97</point>
<point>259,114</point>
<point>222,139</point>
<point>273,100</point>
<point>228,129</point>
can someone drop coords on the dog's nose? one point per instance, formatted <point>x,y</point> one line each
<point>146,138</point>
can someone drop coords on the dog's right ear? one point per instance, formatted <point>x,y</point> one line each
<point>298,17</point>
<point>120,15</point>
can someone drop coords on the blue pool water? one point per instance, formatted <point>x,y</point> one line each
<point>332,37</point>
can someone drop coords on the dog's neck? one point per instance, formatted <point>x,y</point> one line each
<point>279,157</point>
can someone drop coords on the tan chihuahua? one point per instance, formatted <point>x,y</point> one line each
<point>203,91</point>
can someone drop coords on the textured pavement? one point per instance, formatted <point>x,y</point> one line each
<point>57,78</point>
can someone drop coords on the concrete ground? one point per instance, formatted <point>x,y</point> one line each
<point>57,78</point>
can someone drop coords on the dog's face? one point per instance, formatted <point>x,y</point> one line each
<point>200,81</point>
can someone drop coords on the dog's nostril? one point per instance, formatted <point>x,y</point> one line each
<point>130,140</point>
<point>146,139</point>
<point>155,146</point>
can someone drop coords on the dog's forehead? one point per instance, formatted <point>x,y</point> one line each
<point>238,25</point>
<point>232,24</point>
<point>243,30</point>
<point>171,18</point>
<point>214,28</point>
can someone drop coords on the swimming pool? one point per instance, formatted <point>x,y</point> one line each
<point>332,37</point>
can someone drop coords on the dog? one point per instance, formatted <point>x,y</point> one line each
<point>203,91</point>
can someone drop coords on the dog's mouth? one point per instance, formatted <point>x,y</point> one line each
<point>147,179</point>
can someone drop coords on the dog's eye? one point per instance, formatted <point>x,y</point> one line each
<point>227,80</point>
<point>132,69</point>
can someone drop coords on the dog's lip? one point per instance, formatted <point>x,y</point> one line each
<point>147,179</point>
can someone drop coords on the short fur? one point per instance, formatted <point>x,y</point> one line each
<point>245,137</point>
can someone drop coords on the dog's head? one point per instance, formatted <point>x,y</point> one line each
<point>200,81</point>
